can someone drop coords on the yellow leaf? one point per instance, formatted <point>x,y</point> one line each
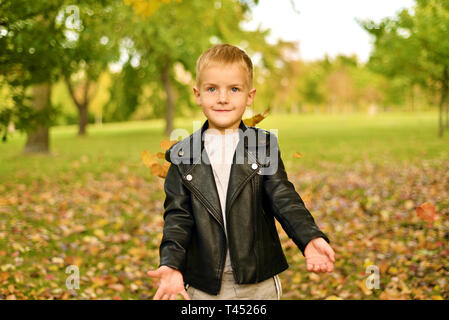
<point>4,276</point>
<point>314,277</point>
<point>99,233</point>
<point>393,270</point>
<point>147,159</point>
<point>101,222</point>
<point>251,122</point>
<point>362,285</point>
<point>167,144</point>
<point>367,263</point>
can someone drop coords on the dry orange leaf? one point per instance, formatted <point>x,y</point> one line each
<point>147,159</point>
<point>160,170</point>
<point>151,160</point>
<point>167,144</point>
<point>297,155</point>
<point>155,169</point>
<point>251,122</point>
<point>426,211</point>
<point>4,276</point>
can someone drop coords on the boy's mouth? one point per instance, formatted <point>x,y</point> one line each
<point>222,110</point>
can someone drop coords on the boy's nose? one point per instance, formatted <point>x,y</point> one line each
<point>223,97</point>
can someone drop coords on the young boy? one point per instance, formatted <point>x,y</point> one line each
<point>222,194</point>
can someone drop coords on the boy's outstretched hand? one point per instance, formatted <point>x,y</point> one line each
<point>319,256</point>
<point>171,284</point>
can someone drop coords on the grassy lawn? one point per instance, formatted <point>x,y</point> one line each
<point>93,204</point>
<point>339,139</point>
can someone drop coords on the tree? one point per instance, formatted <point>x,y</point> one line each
<point>415,46</point>
<point>91,43</point>
<point>29,54</point>
<point>180,31</point>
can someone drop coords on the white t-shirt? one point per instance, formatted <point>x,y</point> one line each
<point>220,149</point>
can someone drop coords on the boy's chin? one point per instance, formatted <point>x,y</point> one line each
<point>223,125</point>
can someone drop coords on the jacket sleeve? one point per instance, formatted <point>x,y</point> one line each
<point>289,208</point>
<point>178,221</point>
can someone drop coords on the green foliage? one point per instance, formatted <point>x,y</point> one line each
<point>413,45</point>
<point>125,93</point>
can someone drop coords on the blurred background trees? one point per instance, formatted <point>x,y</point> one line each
<point>81,62</point>
<point>414,47</point>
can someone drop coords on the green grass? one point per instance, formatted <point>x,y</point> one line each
<point>338,139</point>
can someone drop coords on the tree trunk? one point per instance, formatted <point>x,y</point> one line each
<point>447,115</point>
<point>170,110</point>
<point>38,138</point>
<point>81,103</point>
<point>444,92</point>
<point>83,120</point>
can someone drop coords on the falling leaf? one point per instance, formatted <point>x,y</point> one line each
<point>297,155</point>
<point>166,144</point>
<point>147,159</point>
<point>251,122</point>
<point>156,169</point>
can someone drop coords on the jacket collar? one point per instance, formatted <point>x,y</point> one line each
<point>197,173</point>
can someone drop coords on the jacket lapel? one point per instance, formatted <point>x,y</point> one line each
<point>198,175</point>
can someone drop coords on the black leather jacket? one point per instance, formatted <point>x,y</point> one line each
<point>194,240</point>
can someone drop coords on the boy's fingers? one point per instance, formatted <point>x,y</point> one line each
<point>153,273</point>
<point>165,296</point>
<point>185,295</point>
<point>330,253</point>
<point>173,297</point>
<point>158,294</point>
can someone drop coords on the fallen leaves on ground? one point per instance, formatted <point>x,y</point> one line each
<point>110,227</point>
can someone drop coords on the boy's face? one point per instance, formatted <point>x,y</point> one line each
<point>224,94</point>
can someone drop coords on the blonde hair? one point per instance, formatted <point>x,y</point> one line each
<point>227,54</point>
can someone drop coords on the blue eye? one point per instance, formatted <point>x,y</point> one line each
<point>209,89</point>
<point>235,90</point>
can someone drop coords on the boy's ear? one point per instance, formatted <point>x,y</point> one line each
<point>251,95</point>
<point>196,92</point>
